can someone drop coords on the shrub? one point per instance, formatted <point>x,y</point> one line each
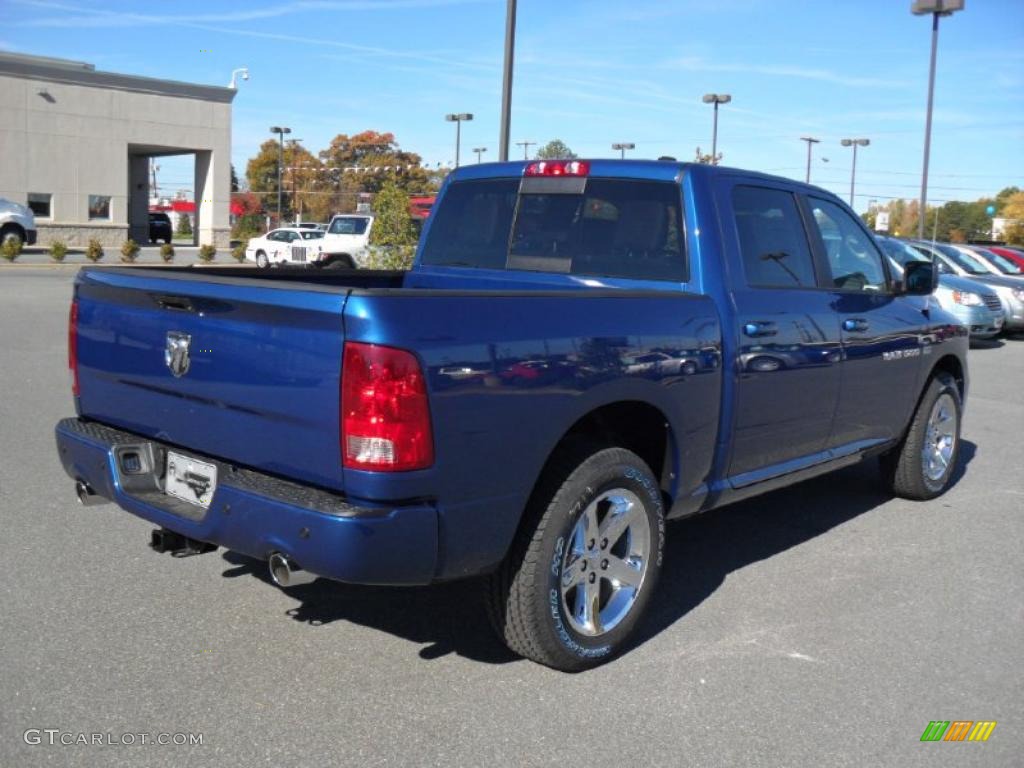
<point>94,251</point>
<point>207,252</point>
<point>167,252</point>
<point>238,252</point>
<point>10,249</point>
<point>58,250</point>
<point>391,257</point>
<point>129,251</point>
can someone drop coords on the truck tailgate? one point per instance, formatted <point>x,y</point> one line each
<point>264,362</point>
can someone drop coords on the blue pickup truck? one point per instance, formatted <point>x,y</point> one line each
<point>582,351</point>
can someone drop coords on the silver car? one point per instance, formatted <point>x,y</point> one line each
<point>951,260</point>
<point>974,304</point>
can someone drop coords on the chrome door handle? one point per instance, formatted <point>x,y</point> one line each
<point>855,324</point>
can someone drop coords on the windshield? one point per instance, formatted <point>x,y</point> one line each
<point>967,263</point>
<point>349,225</point>
<point>1003,264</point>
<point>899,252</point>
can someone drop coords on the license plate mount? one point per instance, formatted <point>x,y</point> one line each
<point>190,479</point>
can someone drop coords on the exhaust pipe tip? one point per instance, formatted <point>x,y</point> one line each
<point>86,496</point>
<point>285,572</point>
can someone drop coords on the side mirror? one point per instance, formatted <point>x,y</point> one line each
<point>920,278</point>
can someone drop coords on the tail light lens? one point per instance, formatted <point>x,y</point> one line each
<point>73,346</point>
<point>385,418</point>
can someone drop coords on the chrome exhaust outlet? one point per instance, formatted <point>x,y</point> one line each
<point>87,497</point>
<point>284,572</point>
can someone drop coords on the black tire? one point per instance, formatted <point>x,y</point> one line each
<point>261,260</point>
<point>12,234</point>
<point>341,262</point>
<point>527,604</point>
<point>905,468</point>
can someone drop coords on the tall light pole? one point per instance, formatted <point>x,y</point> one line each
<point>810,141</point>
<point>506,81</point>
<point>853,171</point>
<point>936,8</point>
<point>526,148</point>
<point>280,162</point>
<point>457,119</point>
<point>622,146</point>
<point>479,153</point>
<point>716,99</point>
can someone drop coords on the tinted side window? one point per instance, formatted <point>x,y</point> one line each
<point>852,255</point>
<point>773,243</point>
<point>352,225</point>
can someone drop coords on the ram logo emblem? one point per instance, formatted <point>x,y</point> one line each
<point>176,353</point>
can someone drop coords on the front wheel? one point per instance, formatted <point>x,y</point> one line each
<point>922,466</point>
<point>585,563</point>
<point>261,260</point>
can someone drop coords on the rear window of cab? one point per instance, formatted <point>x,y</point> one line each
<point>614,228</point>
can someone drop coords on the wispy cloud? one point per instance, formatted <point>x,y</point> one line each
<point>698,64</point>
<point>89,17</point>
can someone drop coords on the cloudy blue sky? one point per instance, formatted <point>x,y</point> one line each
<point>590,72</point>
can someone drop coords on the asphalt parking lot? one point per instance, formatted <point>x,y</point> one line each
<point>823,625</point>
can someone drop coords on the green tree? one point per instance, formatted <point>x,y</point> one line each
<point>556,149</point>
<point>363,164</point>
<point>234,179</point>
<point>392,237</point>
<point>1001,198</point>
<point>300,170</point>
<point>184,227</point>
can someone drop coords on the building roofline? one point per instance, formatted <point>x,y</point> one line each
<point>85,74</point>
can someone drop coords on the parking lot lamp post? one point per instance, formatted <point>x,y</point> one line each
<point>479,153</point>
<point>716,99</point>
<point>936,8</point>
<point>853,171</point>
<point>622,147</point>
<point>457,119</point>
<point>280,131</point>
<point>506,81</point>
<point>810,142</point>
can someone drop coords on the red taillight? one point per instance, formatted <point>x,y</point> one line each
<point>73,346</point>
<point>385,419</point>
<point>558,168</point>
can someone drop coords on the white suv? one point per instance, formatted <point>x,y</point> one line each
<point>17,223</point>
<point>347,240</point>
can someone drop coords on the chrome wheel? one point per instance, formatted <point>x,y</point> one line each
<point>605,562</point>
<point>940,439</point>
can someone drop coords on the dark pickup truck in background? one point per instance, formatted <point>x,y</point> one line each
<point>582,351</point>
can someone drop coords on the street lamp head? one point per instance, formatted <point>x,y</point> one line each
<point>863,142</point>
<point>717,98</point>
<point>243,71</point>
<point>452,118</point>
<point>846,142</point>
<point>624,145</point>
<point>941,7</point>
<point>279,129</point>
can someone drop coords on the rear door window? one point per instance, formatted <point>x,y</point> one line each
<point>614,228</point>
<point>773,242</point>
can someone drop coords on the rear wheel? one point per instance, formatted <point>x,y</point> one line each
<point>341,262</point>
<point>922,466</point>
<point>12,234</point>
<point>585,563</point>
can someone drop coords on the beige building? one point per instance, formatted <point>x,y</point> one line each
<point>75,145</point>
